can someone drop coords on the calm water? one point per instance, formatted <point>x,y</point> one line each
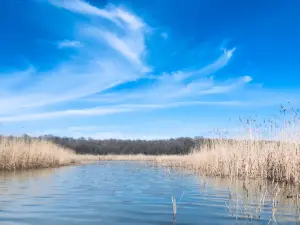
<point>116,193</point>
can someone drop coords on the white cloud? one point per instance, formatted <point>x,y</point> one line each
<point>98,111</point>
<point>13,78</point>
<point>95,68</point>
<point>64,113</point>
<point>247,79</point>
<point>69,44</point>
<point>176,85</point>
<point>132,21</point>
<point>62,84</point>
<point>110,50</point>
<point>83,7</point>
<point>211,68</point>
<point>119,16</point>
<point>229,53</point>
<point>130,46</point>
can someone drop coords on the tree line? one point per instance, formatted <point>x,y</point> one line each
<point>181,145</point>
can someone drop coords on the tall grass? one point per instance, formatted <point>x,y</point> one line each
<point>22,153</point>
<point>245,159</point>
<point>278,161</point>
<point>268,149</point>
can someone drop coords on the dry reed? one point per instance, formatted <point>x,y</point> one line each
<point>270,150</point>
<point>174,207</point>
<point>21,153</point>
<point>277,161</point>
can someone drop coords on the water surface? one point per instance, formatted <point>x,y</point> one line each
<point>113,193</point>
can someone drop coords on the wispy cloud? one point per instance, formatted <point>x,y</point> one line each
<point>130,44</point>
<point>95,68</point>
<point>211,68</point>
<point>180,84</point>
<point>61,85</point>
<point>98,111</point>
<point>69,44</point>
<point>116,15</point>
<point>79,6</point>
<point>95,80</point>
<point>92,72</point>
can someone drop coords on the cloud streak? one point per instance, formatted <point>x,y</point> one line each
<point>104,54</point>
<point>69,44</point>
<point>98,111</point>
<point>91,73</point>
<point>180,84</point>
<point>94,67</point>
<point>218,64</point>
<point>130,44</point>
<point>119,16</point>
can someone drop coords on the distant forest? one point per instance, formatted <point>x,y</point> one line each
<point>115,146</point>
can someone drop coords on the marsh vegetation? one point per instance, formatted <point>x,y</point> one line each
<point>266,149</point>
<point>262,164</point>
<point>28,153</point>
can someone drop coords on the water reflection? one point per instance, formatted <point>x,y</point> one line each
<point>134,193</point>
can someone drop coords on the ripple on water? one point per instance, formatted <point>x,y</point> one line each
<point>113,193</point>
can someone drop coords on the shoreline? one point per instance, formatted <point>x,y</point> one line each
<point>23,153</point>
<point>236,159</point>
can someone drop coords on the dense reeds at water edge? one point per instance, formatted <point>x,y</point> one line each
<point>269,149</point>
<point>276,161</point>
<point>27,153</point>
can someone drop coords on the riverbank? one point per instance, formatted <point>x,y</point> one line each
<point>242,159</point>
<point>25,153</point>
<point>248,159</point>
<point>265,149</point>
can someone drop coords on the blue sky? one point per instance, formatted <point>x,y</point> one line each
<point>144,69</point>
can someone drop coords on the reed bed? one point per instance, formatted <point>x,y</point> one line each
<point>268,149</point>
<point>276,161</point>
<point>23,153</point>
<point>245,159</point>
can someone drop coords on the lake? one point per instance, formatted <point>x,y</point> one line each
<point>126,193</point>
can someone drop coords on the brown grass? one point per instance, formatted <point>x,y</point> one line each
<point>246,159</point>
<point>21,153</point>
<point>254,155</point>
<point>268,150</point>
<point>277,161</point>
